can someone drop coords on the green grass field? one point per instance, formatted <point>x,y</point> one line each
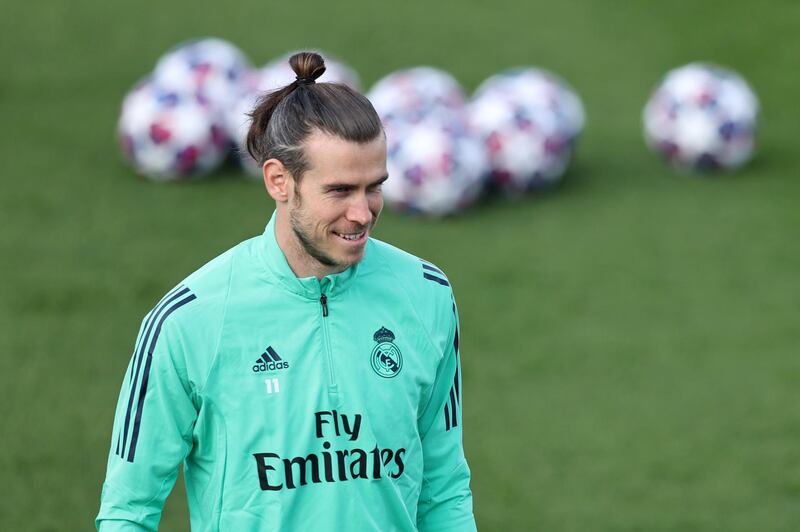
<point>631,341</point>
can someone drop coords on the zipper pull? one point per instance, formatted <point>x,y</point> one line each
<point>323,299</point>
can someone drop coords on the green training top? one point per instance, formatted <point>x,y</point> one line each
<point>295,404</point>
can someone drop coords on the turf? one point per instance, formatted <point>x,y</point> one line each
<point>630,340</point>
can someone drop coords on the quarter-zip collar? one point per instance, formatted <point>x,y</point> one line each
<point>311,287</point>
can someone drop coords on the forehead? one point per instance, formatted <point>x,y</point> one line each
<point>332,158</point>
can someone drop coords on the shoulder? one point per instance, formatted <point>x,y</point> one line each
<point>198,302</point>
<point>187,322</point>
<point>420,284</point>
<point>413,272</point>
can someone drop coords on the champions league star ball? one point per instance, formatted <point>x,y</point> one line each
<point>702,117</point>
<point>237,123</point>
<point>211,69</point>
<point>167,136</point>
<point>436,166</point>
<point>273,76</point>
<point>413,94</point>
<point>529,121</point>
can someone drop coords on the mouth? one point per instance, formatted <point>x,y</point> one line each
<point>352,238</point>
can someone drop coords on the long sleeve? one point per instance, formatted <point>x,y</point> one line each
<point>445,502</point>
<point>153,425</point>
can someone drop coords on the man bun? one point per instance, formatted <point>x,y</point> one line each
<point>308,66</point>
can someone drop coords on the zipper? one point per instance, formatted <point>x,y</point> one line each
<point>323,301</point>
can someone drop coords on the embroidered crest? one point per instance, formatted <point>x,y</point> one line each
<point>386,359</point>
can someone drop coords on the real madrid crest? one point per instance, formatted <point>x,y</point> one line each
<point>386,359</point>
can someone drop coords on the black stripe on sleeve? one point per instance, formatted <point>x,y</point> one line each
<point>431,268</point>
<point>148,319</point>
<point>446,418</point>
<point>434,278</point>
<point>455,385</point>
<point>454,421</point>
<point>139,343</point>
<point>148,328</point>
<point>146,374</point>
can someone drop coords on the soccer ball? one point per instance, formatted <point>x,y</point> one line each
<point>213,70</point>
<point>529,121</point>
<point>237,124</point>
<point>436,165</point>
<point>273,76</point>
<point>411,95</point>
<point>702,117</point>
<point>168,136</point>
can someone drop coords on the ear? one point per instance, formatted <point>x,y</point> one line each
<point>277,179</point>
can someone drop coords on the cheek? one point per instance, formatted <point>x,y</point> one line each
<point>328,219</point>
<point>376,204</point>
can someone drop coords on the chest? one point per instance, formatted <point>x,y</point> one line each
<point>280,365</point>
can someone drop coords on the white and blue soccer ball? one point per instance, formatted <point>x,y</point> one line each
<point>702,117</point>
<point>271,77</point>
<point>529,121</point>
<point>436,166</point>
<point>413,94</point>
<point>168,136</point>
<point>212,69</point>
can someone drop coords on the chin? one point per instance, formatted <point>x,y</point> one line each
<point>349,259</point>
<point>352,258</point>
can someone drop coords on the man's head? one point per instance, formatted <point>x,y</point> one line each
<point>323,155</point>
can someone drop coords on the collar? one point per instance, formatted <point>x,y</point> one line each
<point>311,287</point>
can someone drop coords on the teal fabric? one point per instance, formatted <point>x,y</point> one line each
<point>289,419</point>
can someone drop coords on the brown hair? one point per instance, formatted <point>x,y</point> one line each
<point>283,119</point>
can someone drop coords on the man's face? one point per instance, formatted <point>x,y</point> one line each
<point>337,202</point>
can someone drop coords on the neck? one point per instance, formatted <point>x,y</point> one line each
<point>301,263</point>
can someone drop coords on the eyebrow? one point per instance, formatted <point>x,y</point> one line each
<point>349,186</point>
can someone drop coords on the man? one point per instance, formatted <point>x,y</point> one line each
<point>308,378</point>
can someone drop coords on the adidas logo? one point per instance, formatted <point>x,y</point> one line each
<point>269,361</point>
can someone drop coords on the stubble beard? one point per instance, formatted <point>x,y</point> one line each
<point>305,239</point>
<point>308,246</point>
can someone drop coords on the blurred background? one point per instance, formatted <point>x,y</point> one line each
<point>630,339</point>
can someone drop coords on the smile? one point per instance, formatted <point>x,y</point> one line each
<point>352,237</point>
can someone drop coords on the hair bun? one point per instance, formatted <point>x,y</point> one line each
<point>308,66</point>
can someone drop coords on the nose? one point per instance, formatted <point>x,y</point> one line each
<point>358,211</point>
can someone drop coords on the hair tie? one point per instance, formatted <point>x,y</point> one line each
<point>302,80</point>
